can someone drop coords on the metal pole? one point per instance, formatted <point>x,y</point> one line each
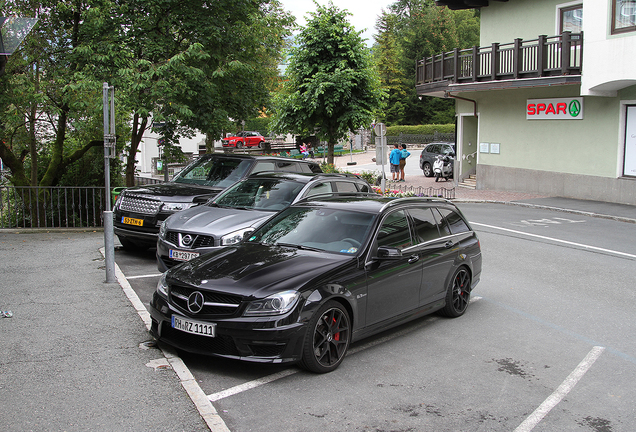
<point>109,235</point>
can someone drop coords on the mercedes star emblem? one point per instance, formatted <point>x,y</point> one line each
<point>195,302</point>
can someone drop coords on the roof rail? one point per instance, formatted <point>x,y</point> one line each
<point>398,201</point>
<point>339,194</point>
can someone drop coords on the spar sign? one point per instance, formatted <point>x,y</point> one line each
<point>555,109</point>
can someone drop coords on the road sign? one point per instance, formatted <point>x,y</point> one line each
<point>380,129</point>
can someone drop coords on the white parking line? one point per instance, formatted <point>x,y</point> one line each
<point>594,248</point>
<point>565,387</point>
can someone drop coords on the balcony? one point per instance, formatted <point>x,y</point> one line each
<point>523,63</point>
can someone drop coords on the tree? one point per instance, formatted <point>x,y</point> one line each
<point>330,87</point>
<point>423,29</point>
<point>196,64</point>
<point>47,104</point>
<point>387,54</point>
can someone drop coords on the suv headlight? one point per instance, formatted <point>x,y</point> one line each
<point>163,229</point>
<point>236,236</point>
<point>276,304</point>
<point>175,207</point>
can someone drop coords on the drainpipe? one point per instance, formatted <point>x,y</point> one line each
<point>448,94</point>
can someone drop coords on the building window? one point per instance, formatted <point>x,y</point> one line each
<point>623,16</point>
<point>572,19</point>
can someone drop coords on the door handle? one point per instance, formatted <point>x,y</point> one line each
<point>449,244</point>
<point>413,258</point>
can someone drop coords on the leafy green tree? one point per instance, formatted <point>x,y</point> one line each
<point>47,104</point>
<point>330,87</point>
<point>193,65</point>
<point>387,54</point>
<point>422,30</point>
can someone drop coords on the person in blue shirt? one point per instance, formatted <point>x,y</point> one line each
<point>403,155</point>
<point>394,160</point>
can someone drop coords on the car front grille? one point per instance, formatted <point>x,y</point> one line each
<point>221,345</point>
<point>139,204</point>
<point>216,304</point>
<point>199,240</point>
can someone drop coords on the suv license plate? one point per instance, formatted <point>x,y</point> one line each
<point>132,221</point>
<point>182,255</point>
<point>193,327</point>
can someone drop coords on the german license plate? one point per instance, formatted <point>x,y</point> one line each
<point>132,221</point>
<point>193,327</point>
<point>182,255</point>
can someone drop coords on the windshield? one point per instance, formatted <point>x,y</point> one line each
<point>317,228</point>
<point>262,194</point>
<point>220,172</point>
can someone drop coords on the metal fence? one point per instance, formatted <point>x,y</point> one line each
<point>51,207</point>
<point>421,191</point>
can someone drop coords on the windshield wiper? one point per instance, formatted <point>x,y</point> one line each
<point>301,247</point>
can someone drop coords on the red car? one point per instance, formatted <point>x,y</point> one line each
<point>247,139</point>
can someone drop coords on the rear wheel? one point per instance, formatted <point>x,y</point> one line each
<point>327,340</point>
<point>458,294</point>
<point>426,168</point>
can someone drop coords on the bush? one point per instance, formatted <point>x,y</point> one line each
<point>429,129</point>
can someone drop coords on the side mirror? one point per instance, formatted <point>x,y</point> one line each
<point>388,252</point>
<point>452,154</point>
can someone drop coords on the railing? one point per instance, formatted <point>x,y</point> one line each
<point>541,57</point>
<point>420,191</point>
<point>51,207</point>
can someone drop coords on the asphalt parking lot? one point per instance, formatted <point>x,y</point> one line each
<point>547,344</point>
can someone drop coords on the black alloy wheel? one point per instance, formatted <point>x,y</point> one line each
<point>458,294</point>
<point>426,168</point>
<point>327,340</point>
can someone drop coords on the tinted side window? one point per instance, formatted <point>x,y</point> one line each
<point>433,149</point>
<point>394,231</point>
<point>263,166</point>
<point>320,189</point>
<point>346,186</point>
<point>454,221</point>
<point>425,224</point>
<point>287,166</point>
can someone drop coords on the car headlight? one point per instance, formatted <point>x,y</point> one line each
<point>175,207</point>
<point>236,236</point>
<point>163,229</point>
<point>276,304</point>
<point>162,286</point>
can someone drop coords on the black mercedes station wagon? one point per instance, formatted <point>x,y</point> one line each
<point>139,211</point>
<point>317,276</point>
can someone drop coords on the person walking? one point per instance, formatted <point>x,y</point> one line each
<point>403,155</point>
<point>394,160</point>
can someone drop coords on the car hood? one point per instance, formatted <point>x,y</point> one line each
<point>176,192</point>
<point>255,270</point>
<point>215,220</point>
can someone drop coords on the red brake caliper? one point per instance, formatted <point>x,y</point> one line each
<point>337,335</point>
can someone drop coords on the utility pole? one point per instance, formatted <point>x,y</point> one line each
<point>109,153</point>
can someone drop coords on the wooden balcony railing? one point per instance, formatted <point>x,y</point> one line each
<point>541,57</point>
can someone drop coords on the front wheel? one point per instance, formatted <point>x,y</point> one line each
<point>426,168</point>
<point>239,144</point>
<point>436,177</point>
<point>327,339</point>
<point>458,294</point>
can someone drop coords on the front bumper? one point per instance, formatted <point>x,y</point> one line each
<point>262,339</point>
